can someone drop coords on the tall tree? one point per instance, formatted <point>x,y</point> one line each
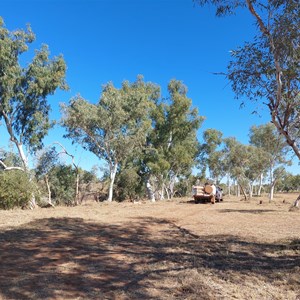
<point>237,158</point>
<point>116,126</point>
<point>172,143</point>
<point>268,69</point>
<point>24,90</point>
<point>209,156</point>
<point>266,138</point>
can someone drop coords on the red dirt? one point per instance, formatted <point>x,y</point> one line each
<point>165,250</point>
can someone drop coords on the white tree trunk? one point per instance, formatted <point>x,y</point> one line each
<point>250,190</point>
<point>149,187</point>
<point>272,185</point>
<point>48,188</point>
<point>22,155</point>
<point>167,192</point>
<point>238,192</point>
<point>260,184</point>
<point>171,188</point>
<point>77,188</point>
<point>271,196</point>
<point>162,192</point>
<point>228,185</point>
<point>26,168</point>
<point>113,173</point>
<point>296,203</point>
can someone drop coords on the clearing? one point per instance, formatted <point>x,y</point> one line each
<point>165,250</point>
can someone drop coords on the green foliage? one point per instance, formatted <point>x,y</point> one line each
<point>47,160</point>
<point>9,158</point>
<point>24,90</point>
<point>288,183</point>
<point>172,143</point>
<point>129,184</point>
<point>116,126</point>
<point>87,176</point>
<point>183,185</point>
<point>16,189</point>
<point>62,184</point>
<point>267,69</point>
<point>209,156</point>
<point>266,138</point>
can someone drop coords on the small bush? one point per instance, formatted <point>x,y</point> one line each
<point>16,190</point>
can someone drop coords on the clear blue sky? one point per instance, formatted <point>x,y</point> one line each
<point>114,40</point>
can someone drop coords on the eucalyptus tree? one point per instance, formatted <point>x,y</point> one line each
<point>257,163</point>
<point>237,158</point>
<point>267,69</point>
<point>116,126</point>
<point>46,161</point>
<point>24,108</point>
<point>266,138</point>
<point>209,157</point>
<point>172,143</point>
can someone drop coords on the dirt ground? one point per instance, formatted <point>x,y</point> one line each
<point>165,250</point>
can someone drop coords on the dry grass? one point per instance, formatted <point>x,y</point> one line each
<point>165,250</point>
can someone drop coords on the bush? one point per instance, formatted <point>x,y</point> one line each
<point>128,185</point>
<point>16,190</point>
<point>62,183</point>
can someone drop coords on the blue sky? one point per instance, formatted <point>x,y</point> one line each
<point>114,40</point>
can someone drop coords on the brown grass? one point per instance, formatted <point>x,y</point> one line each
<point>165,250</point>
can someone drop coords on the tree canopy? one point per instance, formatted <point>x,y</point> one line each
<point>116,126</point>
<point>23,90</point>
<point>267,69</point>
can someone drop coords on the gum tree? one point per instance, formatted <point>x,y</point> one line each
<point>113,128</point>
<point>172,143</point>
<point>266,138</point>
<point>24,109</point>
<point>267,69</point>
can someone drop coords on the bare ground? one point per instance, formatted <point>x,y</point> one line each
<point>165,250</point>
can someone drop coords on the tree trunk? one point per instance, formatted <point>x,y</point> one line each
<point>250,190</point>
<point>24,159</point>
<point>22,155</point>
<point>77,187</point>
<point>150,192</point>
<point>171,188</point>
<point>238,192</point>
<point>48,188</point>
<point>167,192</point>
<point>243,191</point>
<point>228,185</point>
<point>162,192</point>
<point>271,196</point>
<point>296,203</point>
<point>113,172</point>
<point>260,185</point>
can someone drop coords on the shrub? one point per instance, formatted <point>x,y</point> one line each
<point>16,190</point>
<point>62,183</point>
<point>128,185</point>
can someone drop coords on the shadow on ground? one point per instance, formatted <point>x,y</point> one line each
<point>247,211</point>
<point>69,258</point>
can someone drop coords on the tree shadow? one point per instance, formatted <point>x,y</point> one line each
<point>70,258</point>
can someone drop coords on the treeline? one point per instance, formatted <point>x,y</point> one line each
<point>149,142</point>
<point>259,165</point>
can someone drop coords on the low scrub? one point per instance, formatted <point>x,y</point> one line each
<point>16,190</point>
